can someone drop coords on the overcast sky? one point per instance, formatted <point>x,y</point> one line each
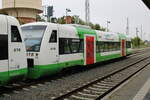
<point>115,11</point>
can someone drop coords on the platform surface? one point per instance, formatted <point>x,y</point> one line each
<point>147,97</point>
<point>137,88</point>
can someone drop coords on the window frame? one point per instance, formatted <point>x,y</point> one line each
<point>105,46</point>
<point>42,37</point>
<point>12,40</point>
<point>68,44</point>
<point>56,36</point>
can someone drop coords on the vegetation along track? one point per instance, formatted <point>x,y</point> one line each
<point>26,85</point>
<point>99,88</point>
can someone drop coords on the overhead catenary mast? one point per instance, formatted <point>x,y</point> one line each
<point>87,12</point>
<point>127,28</point>
<point>141,31</point>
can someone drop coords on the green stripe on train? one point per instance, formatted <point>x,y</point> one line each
<point>8,76</point>
<point>82,31</point>
<point>44,70</point>
<point>100,58</point>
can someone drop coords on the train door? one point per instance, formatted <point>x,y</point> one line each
<point>53,43</point>
<point>89,53</point>
<point>17,56</point>
<point>123,47</point>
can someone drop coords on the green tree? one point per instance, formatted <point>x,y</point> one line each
<point>38,18</point>
<point>61,20</point>
<point>97,27</point>
<point>137,42</point>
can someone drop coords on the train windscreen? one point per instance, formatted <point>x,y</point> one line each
<point>33,37</point>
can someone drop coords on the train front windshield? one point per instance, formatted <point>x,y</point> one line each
<point>33,37</point>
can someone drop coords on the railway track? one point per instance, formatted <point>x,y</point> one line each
<point>99,88</point>
<point>26,86</point>
<point>139,51</point>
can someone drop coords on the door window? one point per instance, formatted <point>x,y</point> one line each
<point>15,34</point>
<point>53,38</point>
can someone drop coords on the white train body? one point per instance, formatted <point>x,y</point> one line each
<point>13,60</point>
<point>53,47</point>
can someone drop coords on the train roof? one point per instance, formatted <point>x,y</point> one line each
<point>77,25</point>
<point>75,31</point>
<point>4,20</point>
<point>66,31</point>
<point>38,23</point>
<point>128,38</point>
<point>107,36</point>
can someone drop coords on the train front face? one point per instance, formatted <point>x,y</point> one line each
<point>33,36</point>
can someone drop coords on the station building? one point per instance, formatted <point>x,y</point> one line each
<point>24,10</point>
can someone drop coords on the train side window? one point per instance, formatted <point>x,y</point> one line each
<point>67,48</point>
<point>75,45</point>
<point>53,38</point>
<point>97,47</point>
<point>15,34</point>
<point>119,45</point>
<point>70,46</point>
<point>3,47</point>
<point>64,47</point>
<point>61,46</point>
<point>128,44</point>
<point>101,46</point>
<point>81,46</point>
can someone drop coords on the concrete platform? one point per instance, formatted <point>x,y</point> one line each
<point>137,88</point>
<point>147,97</point>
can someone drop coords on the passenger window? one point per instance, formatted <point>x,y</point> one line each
<point>81,46</point>
<point>75,45</point>
<point>3,47</point>
<point>128,44</point>
<point>97,47</point>
<point>70,46</point>
<point>15,34</point>
<point>53,38</point>
<point>64,46</point>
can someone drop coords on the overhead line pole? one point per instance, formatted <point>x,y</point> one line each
<point>141,31</point>
<point>87,12</point>
<point>127,28</point>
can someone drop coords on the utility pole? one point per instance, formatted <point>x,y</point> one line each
<point>137,32</point>
<point>141,31</point>
<point>138,41</point>
<point>15,9</point>
<point>76,19</point>
<point>127,28</point>
<point>87,12</point>
<point>108,22</point>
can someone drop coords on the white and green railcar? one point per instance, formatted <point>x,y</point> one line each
<point>53,47</point>
<point>13,60</point>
